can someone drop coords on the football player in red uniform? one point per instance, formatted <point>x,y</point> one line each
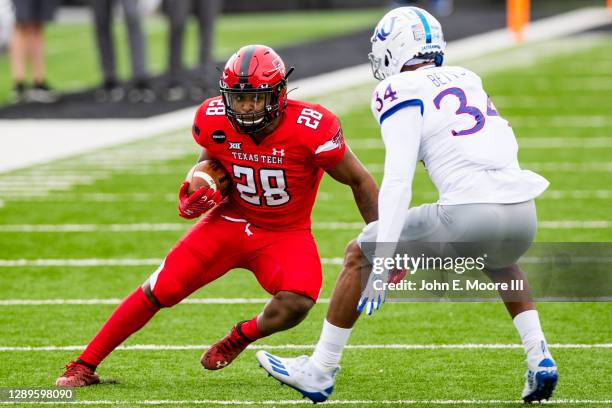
<point>276,151</point>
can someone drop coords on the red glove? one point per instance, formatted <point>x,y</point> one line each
<point>396,275</point>
<point>199,202</point>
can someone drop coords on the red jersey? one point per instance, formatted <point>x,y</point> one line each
<point>275,182</point>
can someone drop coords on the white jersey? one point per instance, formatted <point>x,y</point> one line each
<point>443,117</point>
<point>468,149</point>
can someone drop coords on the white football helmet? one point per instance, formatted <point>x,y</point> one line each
<point>405,35</point>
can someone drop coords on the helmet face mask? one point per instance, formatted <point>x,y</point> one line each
<point>254,88</point>
<point>405,34</point>
<point>250,111</point>
<point>376,64</point>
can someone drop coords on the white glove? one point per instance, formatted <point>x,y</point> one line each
<point>372,298</point>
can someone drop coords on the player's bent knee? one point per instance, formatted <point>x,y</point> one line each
<point>294,306</point>
<point>169,299</point>
<point>168,294</point>
<point>300,309</point>
<point>146,289</point>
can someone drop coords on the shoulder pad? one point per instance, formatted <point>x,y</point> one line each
<point>395,93</point>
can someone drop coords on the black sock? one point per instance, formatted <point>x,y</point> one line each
<point>93,367</point>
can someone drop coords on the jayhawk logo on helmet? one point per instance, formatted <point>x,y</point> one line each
<point>384,29</point>
<point>254,88</point>
<point>404,34</point>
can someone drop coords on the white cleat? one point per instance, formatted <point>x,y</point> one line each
<point>300,374</point>
<point>540,381</point>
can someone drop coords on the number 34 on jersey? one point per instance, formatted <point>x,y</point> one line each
<point>444,96</point>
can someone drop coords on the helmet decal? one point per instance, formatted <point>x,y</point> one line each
<point>382,33</point>
<point>425,23</point>
<point>246,61</point>
<point>418,31</point>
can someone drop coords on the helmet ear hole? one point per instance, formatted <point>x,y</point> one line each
<point>386,61</point>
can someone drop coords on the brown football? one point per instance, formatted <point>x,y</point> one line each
<point>209,173</point>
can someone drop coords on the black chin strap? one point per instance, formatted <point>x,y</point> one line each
<point>289,71</point>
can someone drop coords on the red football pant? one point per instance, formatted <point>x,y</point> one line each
<point>281,261</point>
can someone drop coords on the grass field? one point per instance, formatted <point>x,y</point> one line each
<point>75,41</point>
<point>95,226</point>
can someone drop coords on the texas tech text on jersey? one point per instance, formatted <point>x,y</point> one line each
<point>276,179</point>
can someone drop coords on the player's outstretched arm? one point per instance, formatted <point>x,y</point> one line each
<point>351,172</point>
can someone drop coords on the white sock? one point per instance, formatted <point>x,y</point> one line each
<point>528,325</point>
<point>326,355</point>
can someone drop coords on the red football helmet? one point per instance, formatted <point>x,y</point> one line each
<point>254,88</point>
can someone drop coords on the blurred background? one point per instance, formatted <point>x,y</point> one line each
<point>75,54</point>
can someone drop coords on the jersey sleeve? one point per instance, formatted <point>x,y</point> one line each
<point>197,130</point>
<point>329,146</point>
<point>395,94</point>
<point>205,117</point>
<point>402,144</point>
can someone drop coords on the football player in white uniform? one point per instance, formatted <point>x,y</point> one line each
<point>443,117</point>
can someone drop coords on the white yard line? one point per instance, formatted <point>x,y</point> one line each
<point>574,224</point>
<point>536,166</point>
<point>466,346</point>
<point>545,101</point>
<point>84,262</point>
<point>574,84</point>
<point>11,263</point>
<point>89,197</point>
<point>567,166</point>
<point>406,402</point>
<point>93,227</point>
<point>48,228</point>
<point>576,194</point>
<point>30,196</point>
<point>585,121</point>
<point>41,141</point>
<point>547,195</point>
<point>44,179</point>
<point>251,301</point>
<point>116,301</point>
<point>524,143</point>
